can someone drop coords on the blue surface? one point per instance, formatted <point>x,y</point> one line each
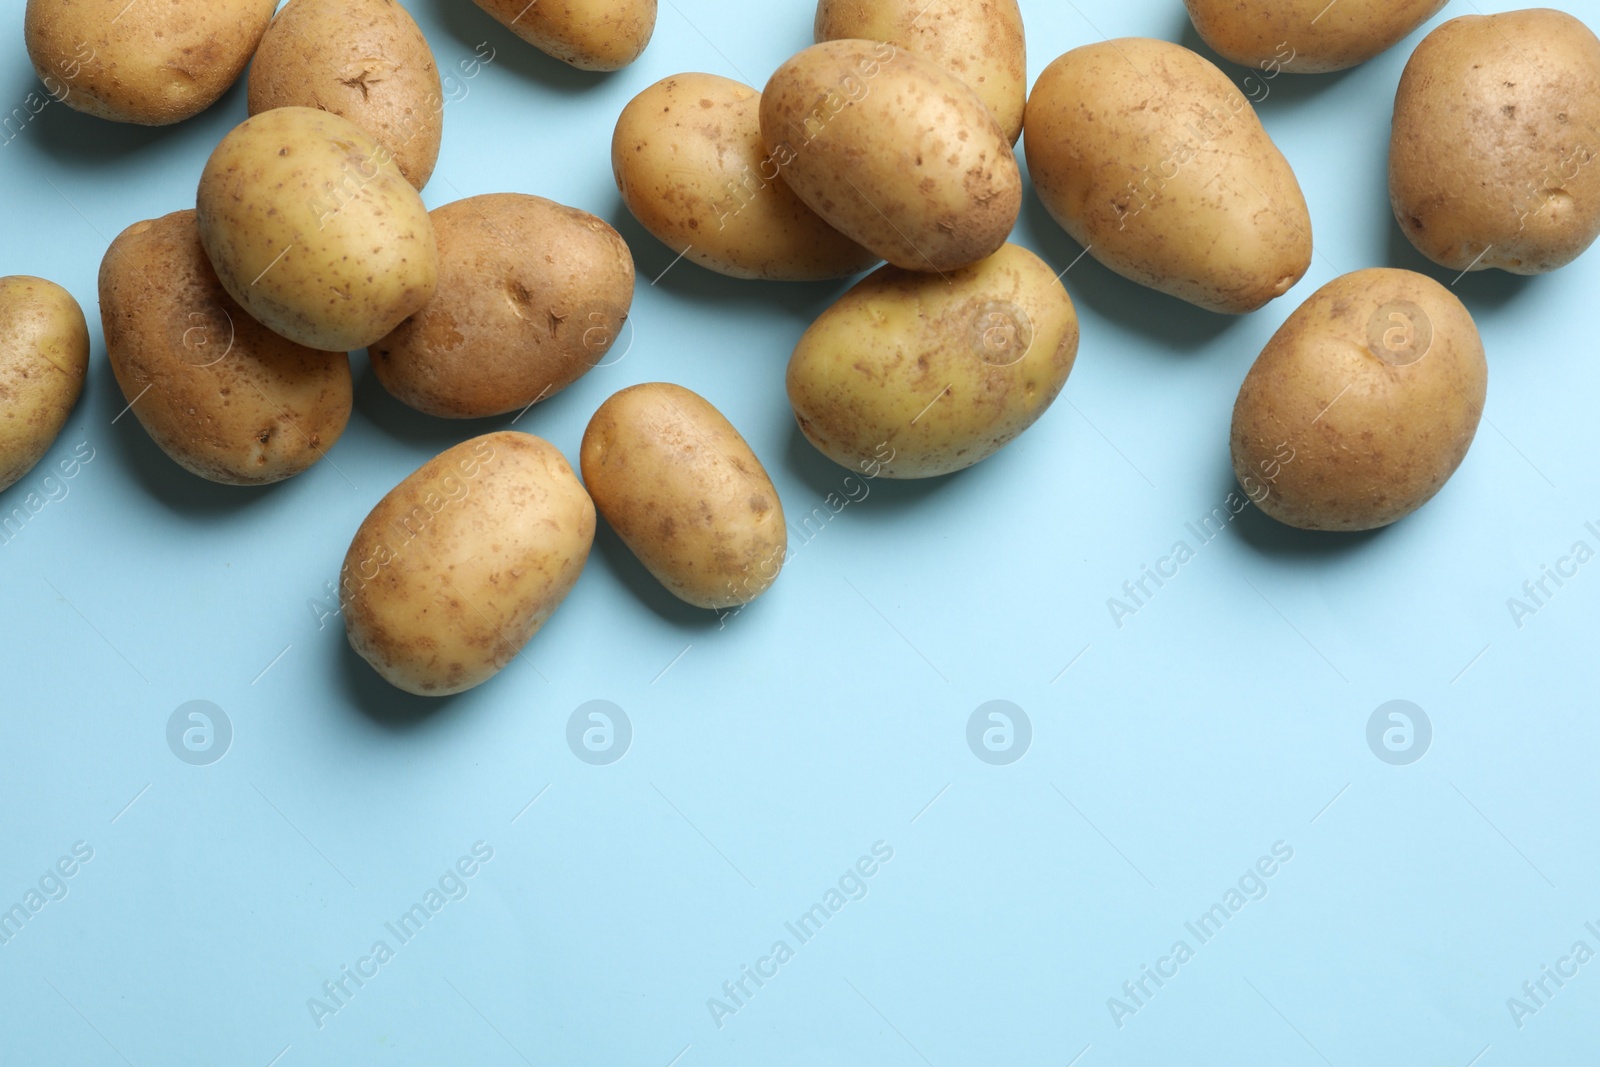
<point>769,755</point>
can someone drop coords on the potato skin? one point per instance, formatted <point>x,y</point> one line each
<point>44,358</point>
<point>894,151</point>
<point>1320,38</point>
<point>982,42</point>
<point>456,569</point>
<point>689,161</point>
<point>1493,144</point>
<point>220,393</point>
<point>1362,405</point>
<point>913,376</point>
<point>312,228</point>
<point>147,63</point>
<point>364,60</point>
<point>587,34</point>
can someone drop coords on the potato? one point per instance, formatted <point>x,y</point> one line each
<point>150,63</point>
<point>587,34</point>
<point>364,60</point>
<point>1149,157</point>
<point>44,357</point>
<point>312,228</point>
<point>463,562</point>
<point>1495,131</point>
<point>979,41</point>
<point>690,164</point>
<point>220,393</point>
<point>912,376</point>
<point>1362,405</point>
<point>1306,36</point>
<point>893,151</point>
<point>531,295</point>
<point>685,493</point>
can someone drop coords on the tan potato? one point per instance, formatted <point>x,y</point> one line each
<point>44,357</point>
<point>220,393</point>
<point>686,494</point>
<point>531,295</point>
<point>364,60</point>
<point>912,375</point>
<point>893,151</point>
<point>587,34</point>
<point>1495,137</point>
<point>690,164</point>
<point>1362,405</point>
<point>312,228</point>
<point>979,41</point>
<point>1306,36</point>
<point>150,62</point>
<point>463,562</point>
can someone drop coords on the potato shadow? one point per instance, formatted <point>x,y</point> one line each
<point>1266,536</point>
<point>1490,289</point>
<point>823,477</point>
<point>472,27</point>
<point>406,424</point>
<point>79,140</point>
<point>625,567</point>
<point>1283,90</point>
<point>364,689</point>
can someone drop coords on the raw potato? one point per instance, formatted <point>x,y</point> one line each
<point>1362,405</point>
<point>587,34</point>
<point>685,492</point>
<point>913,375</point>
<point>462,563</point>
<point>313,229</point>
<point>1149,157</point>
<point>1306,36</point>
<point>364,60</point>
<point>690,164</point>
<point>531,295</point>
<point>979,41</point>
<point>220,393</point>
<point>1496,128</point>
<point>44,357</point>
<point>894,151</point>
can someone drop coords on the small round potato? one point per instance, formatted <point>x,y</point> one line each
<point>44,357</point>
<point>893,151</point>
<point>220,393</point>
<point>310,226</point>
<point>685,492</point>
<point>531,295</point>
<point>463,562</point>
<point>912,375</point>
<point>1306,36</point>
<point>587,34</point>
<point>1362,405</point>
<point>364,60</point>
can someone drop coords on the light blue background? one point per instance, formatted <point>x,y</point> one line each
<point>768,755</point>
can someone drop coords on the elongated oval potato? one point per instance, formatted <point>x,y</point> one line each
<point>690,164</point>
<point>912,375</point>
<point>531,295</point>
<point>1491,158</point>
<point>1149,157</point>
<point>686,494</point>
<point>220,393</point>
<point>893,151</point>
<point>151,62</point>
<point>463,562</point>
<point>364,60</point>
<point>312,228</point>
<point>1306,36</point>
<point>44,358</point>
<point>979,41</point>
<point>587,34</point>
<point>1362,405</point>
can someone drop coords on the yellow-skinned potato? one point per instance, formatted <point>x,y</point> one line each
<point>587,34</point>
<point>313,229</point>
<point>1149,157</point>
<point>686,494</point>
<point>462,563</point>
<point>893,151</point>
<point>531,295</point>
<point>912,375</point>
<point>1306,36</point>
<point>149,62</point>
<point>691,166</point>
<point>364,60</point>
<point>1491,158</point>
<point>220,393</point>
<point>44,356</point>
<point>1362,405</point>
<point>979,41</point>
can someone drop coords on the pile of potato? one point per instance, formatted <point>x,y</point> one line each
<point>228,324</point>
